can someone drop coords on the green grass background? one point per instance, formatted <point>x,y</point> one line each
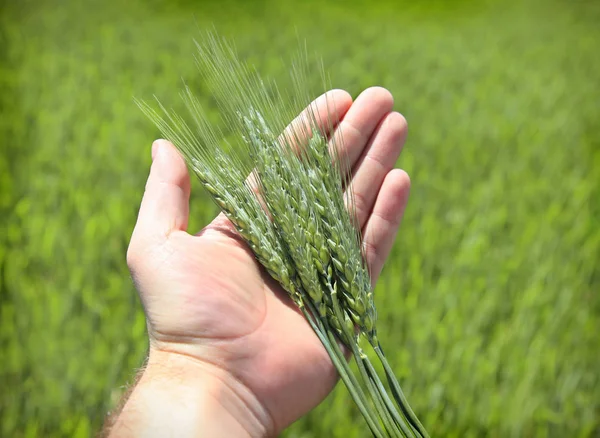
<point>489,304</point>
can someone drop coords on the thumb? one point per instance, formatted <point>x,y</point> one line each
<point>165,205</point>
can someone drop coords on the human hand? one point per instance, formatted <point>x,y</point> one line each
<point>215,316</point>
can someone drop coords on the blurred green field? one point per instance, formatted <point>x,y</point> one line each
<point>490,304</point>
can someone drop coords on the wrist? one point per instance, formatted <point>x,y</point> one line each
<point>181,396</point>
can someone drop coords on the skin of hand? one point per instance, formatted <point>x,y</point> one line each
<point>229,353</point>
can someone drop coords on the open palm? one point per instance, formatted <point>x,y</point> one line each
<point>206,297</point>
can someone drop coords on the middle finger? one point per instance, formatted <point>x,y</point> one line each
<point>358,124</point>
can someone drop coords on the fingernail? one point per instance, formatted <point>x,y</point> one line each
<point>155,147</point>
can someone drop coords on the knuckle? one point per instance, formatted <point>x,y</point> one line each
<point>372,256</point>
<point>360,206</point>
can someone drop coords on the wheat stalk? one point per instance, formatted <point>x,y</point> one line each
<point>292,213</point>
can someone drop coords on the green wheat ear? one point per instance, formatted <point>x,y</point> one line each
<point>292,212</point>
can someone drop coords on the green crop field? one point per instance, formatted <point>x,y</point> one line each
<point>490,303</point>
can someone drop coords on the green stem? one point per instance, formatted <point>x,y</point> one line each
<point>358,355</point>
<point>379,397</point>
<point>407,429</point>
<point>397,391</point>
<point>339,361</point>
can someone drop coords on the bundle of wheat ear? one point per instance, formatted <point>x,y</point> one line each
<point>287,198</point>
